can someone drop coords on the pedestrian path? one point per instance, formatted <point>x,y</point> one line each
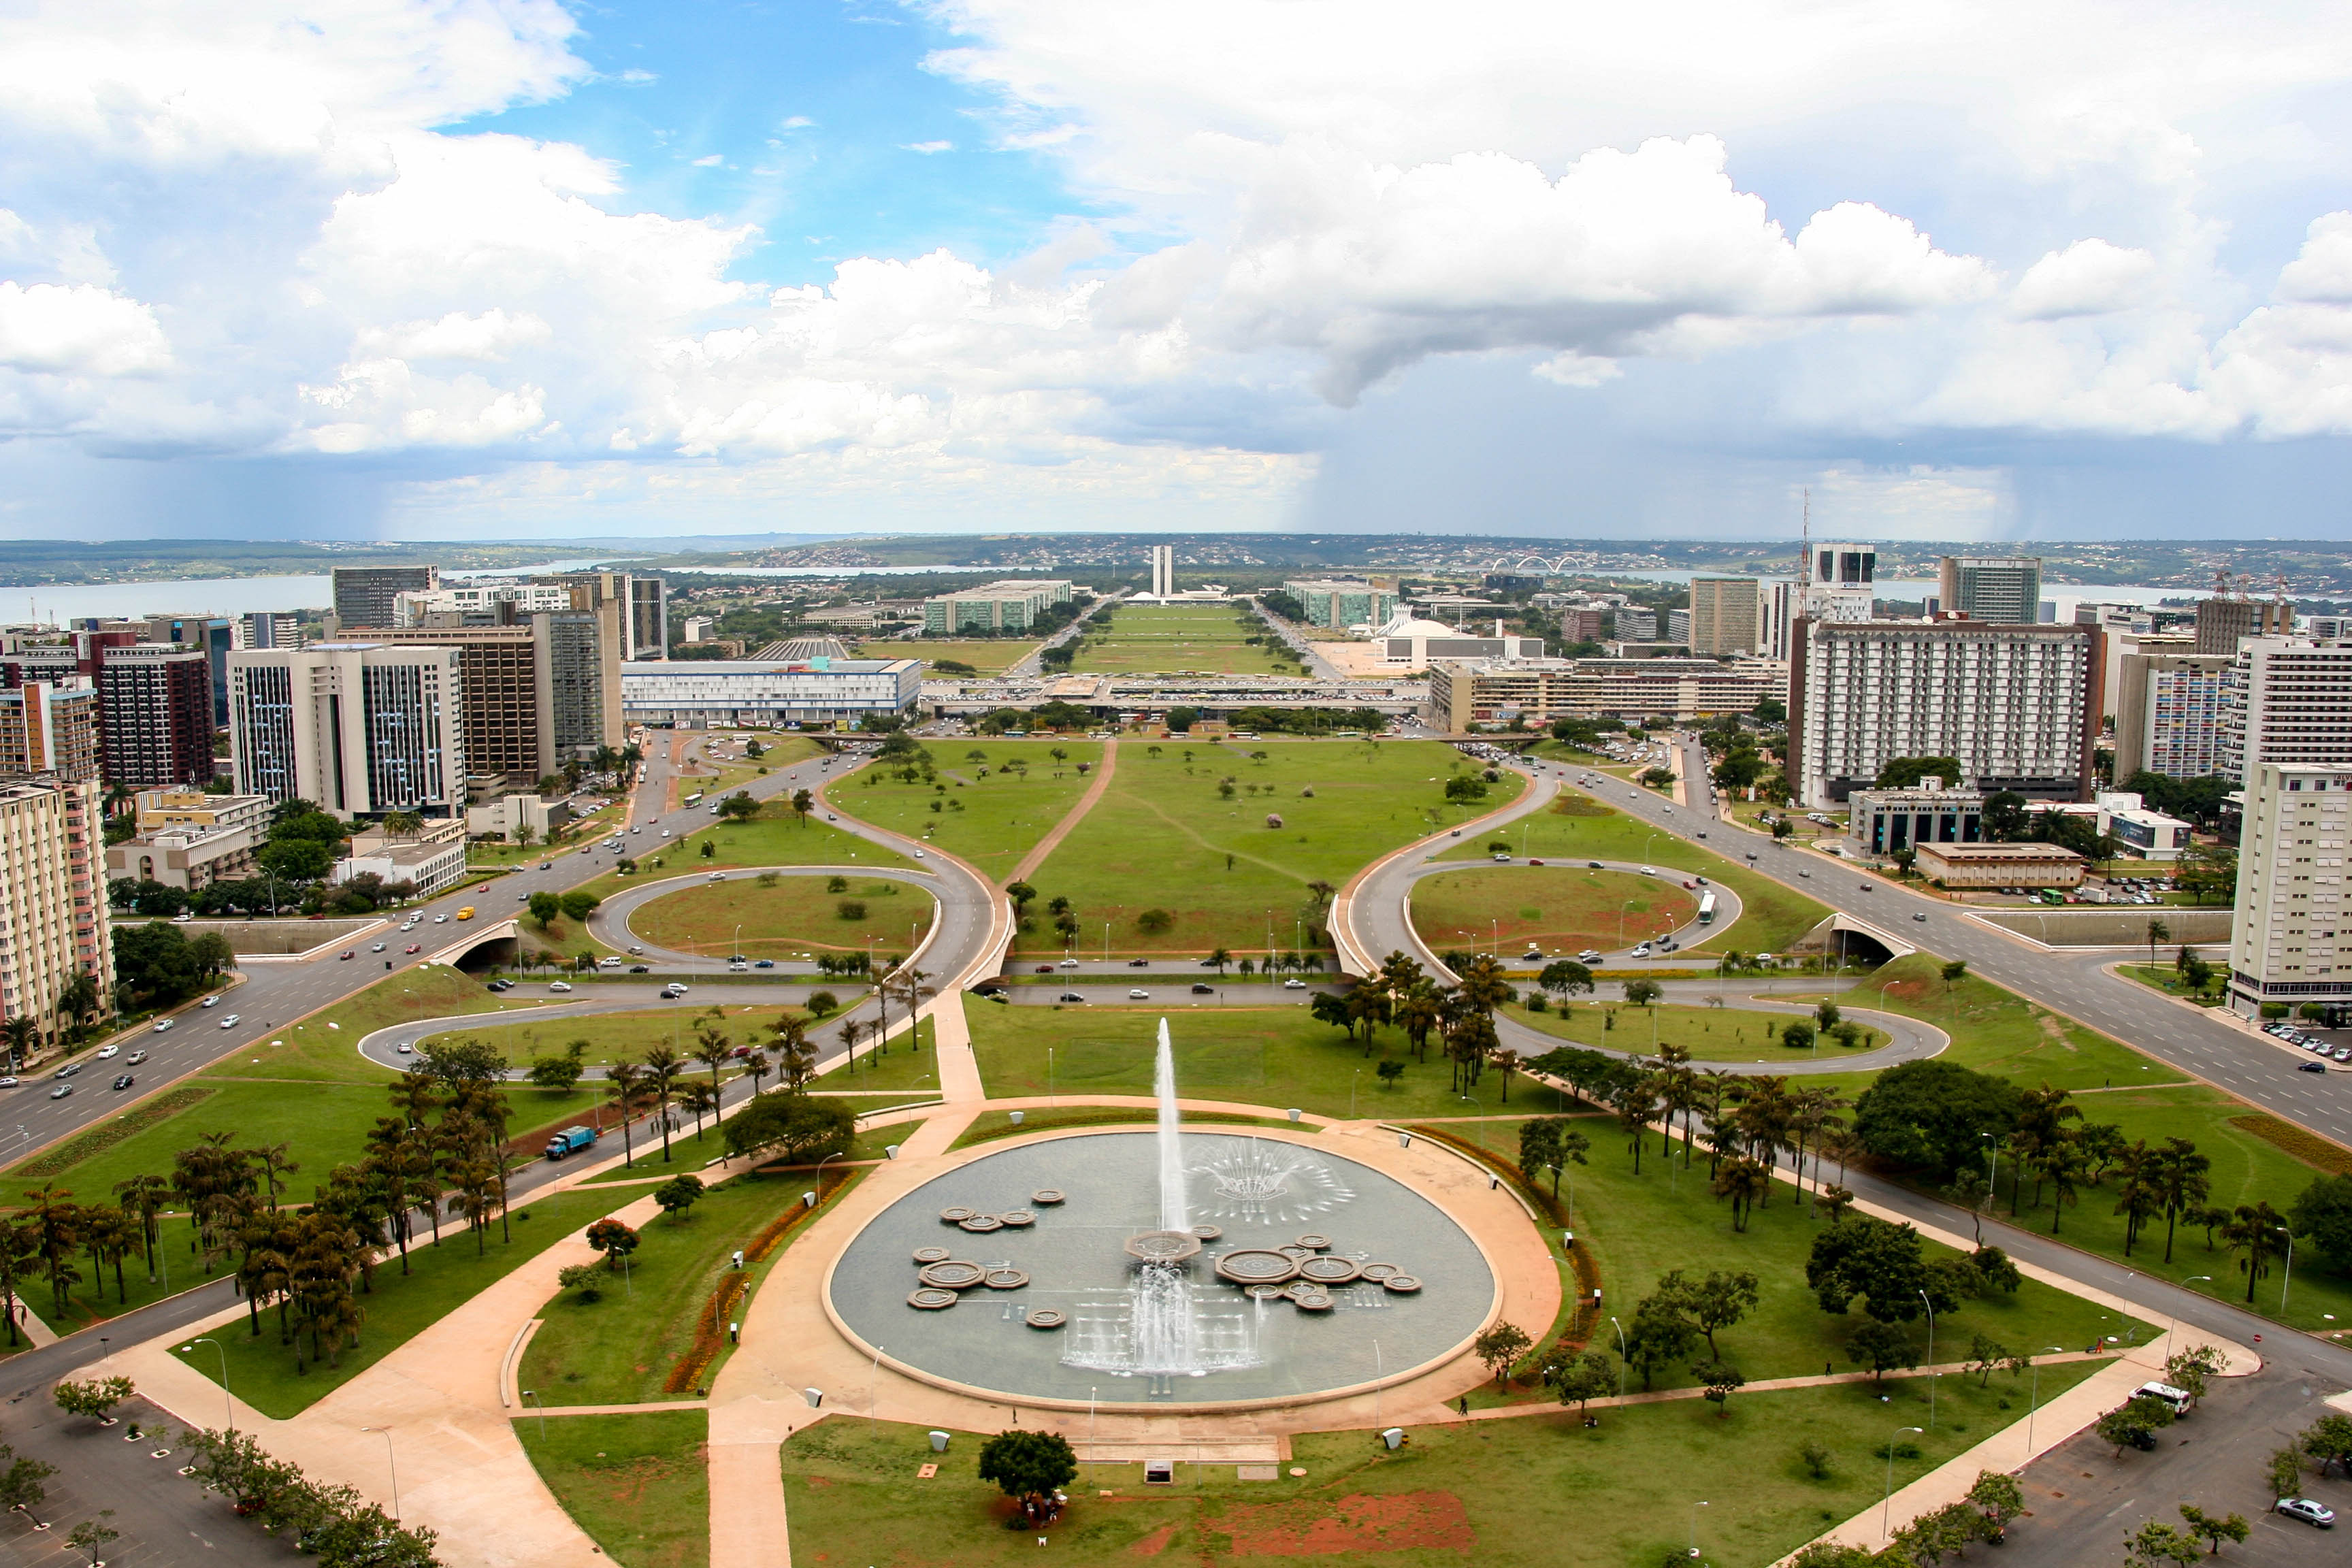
<point>1077,814</point>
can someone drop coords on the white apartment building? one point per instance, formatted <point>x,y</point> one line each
<point>2018,706</point>
<point>2290,904</point>
<point>54,922</point>
<point>359,729</point>
<point>485,600</point>
<point>700,694</point>
<point>2168,711</point>
<point>2285,700</point>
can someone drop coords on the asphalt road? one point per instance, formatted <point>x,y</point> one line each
<point>1726,913</point>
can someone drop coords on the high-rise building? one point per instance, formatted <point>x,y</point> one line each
<point>2170,714</point>
<point>494,604</point>
<point>364,594</point>
<point>215,634</point>
<point>2292,939</point>
<point>2018,706</point>
<point>2005,590</point>
<point>1726,616</point>
<point>648,619</point>
<point>1012,605</point>
<point>155,711</point>
<point>1636,625</point>
<point>54,924</point>
<point>2285,700</point>
<point>1836,583</point>
<point>2222,622</point>
<point>50,728</point>
<point>359,729</point>
<point>1163,571</point>
<point>261,628</point>
<point>1341,603</point>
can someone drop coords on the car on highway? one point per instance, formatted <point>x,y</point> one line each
<point>209,1002</point>
<point>1803,872</point>
<point>765,963</point>
<point>673,991</point>
<point>500,985</point>
<point>608,962</point>
<point>405,1048</point>
<point>1294,983</point>
<point>1641,949</point>
<point>61,1092</point>
<point>719,876</point>
<point>2311,1067</point>
<point>2309,1511</point>
<point>1069,996</point>
<point>9,1083</point>
<point>377,948</point>
<point>163,1025</point>
<point>467,913</point>
<point>1501,859</point>
<point>558,985</point>
<point>1199,989</point>
<point>1137,993</point>
<point>1044,969</point>
<point>109,1052</point>
<point>1921,917</point>
<point>640,968</point>
<point>231,1021</point>
<point>440,920</point>
<point>68,1070</point>
<point>1138,963</point>
<point>353,953</point>
<point>125,1081</point>
<point>134,1059</point>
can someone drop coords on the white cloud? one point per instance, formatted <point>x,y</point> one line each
<point>928,147</point>
<point>2088,277</point>
<point>710,161</point>
<point>79,330</point>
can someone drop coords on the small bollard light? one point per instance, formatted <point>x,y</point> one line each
<point>1393,1437</point>
<point>939,1442</point>
<point>1493,1181</point>
<point>808,1200</point>
<point>739,1257</point>
<point>1568,1241</point>
<point>1293,1113</point>
<point>815,1398</point>
<point>1016,1116</point>
<point>1404,1139</point>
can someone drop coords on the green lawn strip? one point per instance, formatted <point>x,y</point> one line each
<point>1561,908</point>
<point>1577,828</point>
<point>991,821</point>
<point>442,1280</point>
<point>994,1124</point>
<point>789,917</point>
<point>628,1037</point>
<point>777,837</point>
<point>324,1047</point>
<point>2165,978</point>
<point>619,1350</point>
<point>1507,1493</point>
<point>987,655</point>
<point>1274,1057</point>
<point>1156,638</point>
<point>1709,1033</point>
<point>1637,1227</point>
<point>59,1158</point>
<point>1163,837</point>
<point>638,1485</point>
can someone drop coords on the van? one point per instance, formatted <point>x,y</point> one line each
<point>467,913</point>
<point>2178,1398</point>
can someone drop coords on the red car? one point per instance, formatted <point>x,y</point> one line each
<point>352,955</point>
<point>1535,862</point>
<point>1044,969</point>
<point>413,947</point>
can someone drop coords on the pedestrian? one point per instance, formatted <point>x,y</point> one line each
<point>1465,1404</point>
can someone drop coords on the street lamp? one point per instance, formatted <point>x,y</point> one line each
<point>532,1395</point>
<point>2171,1338</point>
<point>2033,1401</point>
<point>1621,1356</point>
<point>2286,1278</point>
<point>1887,1501</point>
<point>228,1408</point>
<point>1694,1530</point>
<point>385,1432</point>
<point>1931,1358</point>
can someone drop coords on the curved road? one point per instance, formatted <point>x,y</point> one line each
<point>1728,905</point>
<point>610,923</point>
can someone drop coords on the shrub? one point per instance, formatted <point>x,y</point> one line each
<point>851,908</point>
<point>1155,920</point>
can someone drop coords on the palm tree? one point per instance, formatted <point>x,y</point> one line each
<point>1743,1180</point>
<point>711,1047</point>
<point>700,1100</point>
<point>755,1068</point>
<point>850,1034</point>
<point>110,1235</point>
<point>662,1065</point>
<point>20,1033</point>
<point>477,1184</point>
<point>2140,1197</point>
<point>624,1086</point>
<point>2180,1173</point>
<point>796,1058</point>
<point>144,1196</point>
<point>2068,1168</point>
<point>2259,1231</point>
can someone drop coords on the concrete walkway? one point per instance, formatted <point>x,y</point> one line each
<point>1070,819</point>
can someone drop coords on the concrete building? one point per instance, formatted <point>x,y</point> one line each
<point>53,923</point>
<point>2292,941</point>
<point>2222,623</point>
<point>1341,604</point>
<point>189,839</point>
<point>511,813</point>
<point>490,604</point>
<point>647,620</point>
<point>1635,625</point>
<point>2005,590</point>
<point>698,694</point>
<point>2168,714</point>
<point>155,810</point>
<point>1678,627</point>
<point>358,728</point>
<point>261,628</point>
<point>364,594</point>
<point>1882,821</point>
<point>1409,643</point>
<point>1833,583</point>
<point>1163,571</point>
<point>216,636</point>
<point>50,728</point>
<point>1582,625</point>
<point>1011,605</point>
<point>2019,706</point>
<point>697,630</point>
<point>1463,692</point>
<point>155,715</point>
<point>2285,700</point>
<point>430,861</point>
<point>1998,865</point>
<point>1726,616</point>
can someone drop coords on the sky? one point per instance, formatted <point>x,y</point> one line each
<point>464,268</point>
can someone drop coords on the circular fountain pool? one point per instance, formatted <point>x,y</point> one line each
<point>1144,1318</point>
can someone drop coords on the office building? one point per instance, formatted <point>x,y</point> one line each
<point>359,729</point>
<point>215,634</point>
<point>475,604</point>
<point>155,715</point>
<point>509,815</point>
<point>1979,866</point>
<point>2292,939</point>
<point>1583,625</point>
<point>697,630</point>
<point>2019,706</point>
<point>2005,590</point>
<point>364,594</point>
<point>261,628</point>
<point>1012,605</point>
<point>711,693</point>
<point>429,862</point>
<point>2285,700</point>
<point>1726,616</point>
<point>2223,623</point>
<point>61,657</point>
<point>1884,821</point>
<point>50,728</point>
<point>1678,626</point>
<point>1833,583</point>
<point>534,695</point>
<point>1410,643</point>
<point>53,923</point>
<point>647,620</point>
<point>1342,604</point>
<point>1534,691</point>
<point>1163,571</point>
<point>1635,625</point>
<point>189,839</point>
<point>2143,832</point>
<point>2168,711</point>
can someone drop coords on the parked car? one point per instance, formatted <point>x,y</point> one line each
<point>2309,1511</point>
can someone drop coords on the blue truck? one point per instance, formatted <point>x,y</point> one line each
<point>570,1140</point>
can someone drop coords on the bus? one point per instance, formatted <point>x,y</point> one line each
<point>1707,911</point>
<point>694,799</point>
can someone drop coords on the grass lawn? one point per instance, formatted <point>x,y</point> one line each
<point>989,813</point>
<point>442,1279</point>
<point>1577,828</point>
<point>1157,639</point>
<point>1709,1033</point>
<point>900,1066</point>
<point>1274,1057</point>
<point>638,1485</point>
<point>788,918</point>
<point>2165,978</point>
<point>1562,909</point>
<point>774,837</point>
<point>987,655</point>
<point>1163,837</point>
<point>1508,1493</point>
<point>994,1124</point>
<point>620,1348</point>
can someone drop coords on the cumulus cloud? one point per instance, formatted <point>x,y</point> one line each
<point>81,330</point>
<point>2088,277</point>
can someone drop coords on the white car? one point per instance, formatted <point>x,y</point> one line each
<point>1649,870</point>
<point>162,1024</point>
<point>210,1002</point>
<point>608,963</point>
<point>230,1022</point>
<point>2309,1511</point>
<point>558,985</point>
<point>106,1053</point>
<point>405,1048</point>
<point>440,920</point>
<point>1294,983</point>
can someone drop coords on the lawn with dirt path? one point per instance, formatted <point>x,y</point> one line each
<point>1563,909</point>
<point>1157,639</point>
<point>775,916</point>
<point>995,798</point>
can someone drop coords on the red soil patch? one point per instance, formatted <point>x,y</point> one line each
<point>1153,1544</point>
<point>1402,1523</point>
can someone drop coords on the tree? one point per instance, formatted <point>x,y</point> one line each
<point>2215,1528</point>
<point>1714,1304</point>
<point>2323,1213</point>
<point>2283,1470</point>
<point>90,1536</point>
<point>95,1398</point>
<point>1934,1115</point>
<point>1580,1379</point>
<point>1745,1181</point>
<point>1566,976</point>
<point>1876,1261</point>
<point>676,1195</point>
<point>1642,993</point>
<point>1882,1347</point>
<point>1154,921</point>
<point>1658,1337</point>
<point>544,907</point>
<point>578,904</point>
<point>2328,1440</point>
<point>2133,1423</point>
<point>2000,1498</point>
<point>1029,1467</point>
<point>2259,1232</point>
<point>20,1480</point>
<point>739,807</point>
<point>1721,1380</point>
<point>1500,1347</point>
<point>799,1129</point>
<point>583,1278</point>
<point>2157,1544</point>
<point>2182,1175</point>
<point>1904,773</point>
<point>613,1239</point>
<point>560,1074</point>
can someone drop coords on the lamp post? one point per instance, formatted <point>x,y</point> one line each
<point>228,1409</point>
<point>1694,1529</point>
<point>532,1395</point>
<point>1620,921</point>
<point>1931,1359</point>
<point>1621,1356</point>
<point>2286,1278</point>
<point>1352,1083</point>
<point>1049,1075</point>
<point>2033,1402</point>
<point>385,1432</point>
<point>1992,1182</point>
<point>1887,1501</point>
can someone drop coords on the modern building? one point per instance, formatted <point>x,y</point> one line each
<point>216,636</point>
<point>2019,706</point>
<point>1884,821</point>
<point>1635,625</point>
<point>2292,939</point>
<point>1535,692</point>
<point>50,728</point>
<point>189,839</point>
<point>2168,714</point>
<point>1833,583</point>
<point>2222,623</point>
<point>699,694</point>
<point>2285,700</point>
<point>364,595</point>
<point>360,728</point>
<point>1998,865</point>
<point>260,628</point>
<point>2003,589</point>
<point>53,923</point>
<point>1342,604</point>
<point>647,620</point>
<point>1163,571</point>
<point>697,630</point>
<point>1509,583</point>
<point>1582,625</point>
<point>490,604</point>
<point>1678,627</point>
<point>429,861</point>
<point>1726,616</point>
<point>1012,605</point>
<point>509,815</point>
<point>155,810</point>
<point>1410,643</point>
<point>155,715</point>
